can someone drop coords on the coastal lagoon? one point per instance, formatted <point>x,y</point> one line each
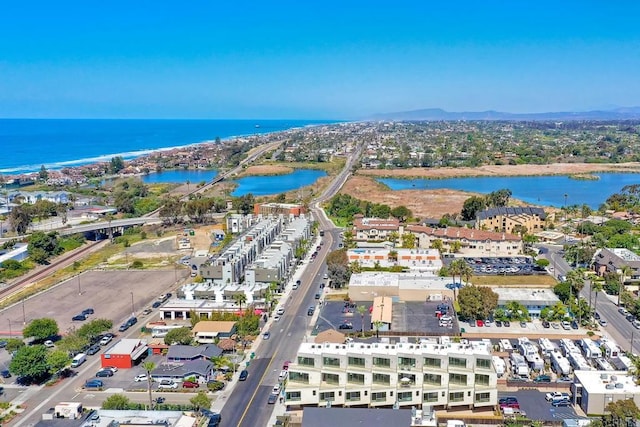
<point>276,184</point>
<point>538,190</point>
<point>180,176</point>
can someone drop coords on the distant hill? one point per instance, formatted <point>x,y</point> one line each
<point>437,114</point>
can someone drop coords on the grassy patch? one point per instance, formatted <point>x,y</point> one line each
<point>515,281</point>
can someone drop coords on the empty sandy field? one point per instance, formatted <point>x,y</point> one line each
<point>422,203</point>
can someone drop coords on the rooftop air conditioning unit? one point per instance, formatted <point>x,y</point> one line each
<point>609,386</point>
<point>614,378</point>
<point>619,385</point>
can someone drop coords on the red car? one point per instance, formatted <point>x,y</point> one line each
<point>480,323</point>
<point>285,365</point>
<point>190,384</point>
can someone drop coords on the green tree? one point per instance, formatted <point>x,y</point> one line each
<point>117,402</point>
<point>620,413</point>
<point>476,302</point>
<point>437,244</point>
<point>43,246</point>
<point>43,175</point>
<point>30,361</point>
<point>116,164</point>
<point>401,213</point>
<point>94,328</point>
<point>471,207</point>
<point>72,343</point>
<point>57,360</point>
<point>178,336</point>
<point>338,267</point>
<point>14,344</point>
<point>41,329</point>
<point>20,218</point>
<point>563,291</point>
<point>201,401</point>
<point>377,324</point>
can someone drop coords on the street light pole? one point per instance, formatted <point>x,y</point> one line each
<point>24,315</point>
<point>133,312</point>
<point>79,288</point>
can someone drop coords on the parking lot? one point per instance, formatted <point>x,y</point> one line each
<point>407,317</point>
<point>533,403</point>
<point>503,265</point>
<point>112,294</point>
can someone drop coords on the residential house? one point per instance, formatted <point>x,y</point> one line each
<point>185,353</point>
<point>208,331</point>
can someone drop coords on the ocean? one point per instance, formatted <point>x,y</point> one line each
<point>28,144</point>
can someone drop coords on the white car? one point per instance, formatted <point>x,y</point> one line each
<point>276,389</point>
<point>48,344</point>
<point>566,325</point>
<point>105,340</point>
<point>280,311</point>
<point>167,384</point>
<point>111,368</point>
<point>141,377</point>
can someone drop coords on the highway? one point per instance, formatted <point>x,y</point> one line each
<point>618,328</point>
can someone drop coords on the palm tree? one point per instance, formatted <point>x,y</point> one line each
<point>466,272</point>
<point>378,324</point>
<point>148,368</point>
<point>457,267</point>
<point>239,299</point>
<point>625,272</point>
<point>362,310</point>
<point>596,287</point>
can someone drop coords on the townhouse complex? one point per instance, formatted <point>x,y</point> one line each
<point>461,240</point>
<point>438,373</point>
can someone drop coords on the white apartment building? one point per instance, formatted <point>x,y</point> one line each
<point>440,374</point>
<point>416,260</point>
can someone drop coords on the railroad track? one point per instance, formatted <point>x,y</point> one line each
<point>57,263</point>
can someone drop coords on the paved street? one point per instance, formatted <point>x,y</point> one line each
<point>618,328</point>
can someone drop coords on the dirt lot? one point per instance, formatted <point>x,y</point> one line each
<point>107,292</point>
<point>505,170</point>
<point>422,203</point>
<point>267,170</point>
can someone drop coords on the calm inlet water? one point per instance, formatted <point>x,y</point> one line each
<point>276,184</point>
<point>180,176</point>
<point>539,190</point>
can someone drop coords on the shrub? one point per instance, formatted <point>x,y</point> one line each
<point>137,264</point>
<point>215,385</point>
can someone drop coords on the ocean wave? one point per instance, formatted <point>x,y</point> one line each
<point>127,155</point>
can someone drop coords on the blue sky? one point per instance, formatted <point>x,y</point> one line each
<point>314,60</point>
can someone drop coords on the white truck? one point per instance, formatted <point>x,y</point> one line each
<point>78,360</point>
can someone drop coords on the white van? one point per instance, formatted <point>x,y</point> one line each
<point>78,360</point>
<point>282,376</point>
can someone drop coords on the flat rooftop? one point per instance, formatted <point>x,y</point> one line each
<point>596,382</point>
<point>526,295</point>
<point>479,348</point>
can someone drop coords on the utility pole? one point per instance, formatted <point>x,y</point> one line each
<point>24,316</point>
<point>133,312</point>
<point>79,288</point>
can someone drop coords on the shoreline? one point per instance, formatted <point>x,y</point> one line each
<point>12,172</point>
